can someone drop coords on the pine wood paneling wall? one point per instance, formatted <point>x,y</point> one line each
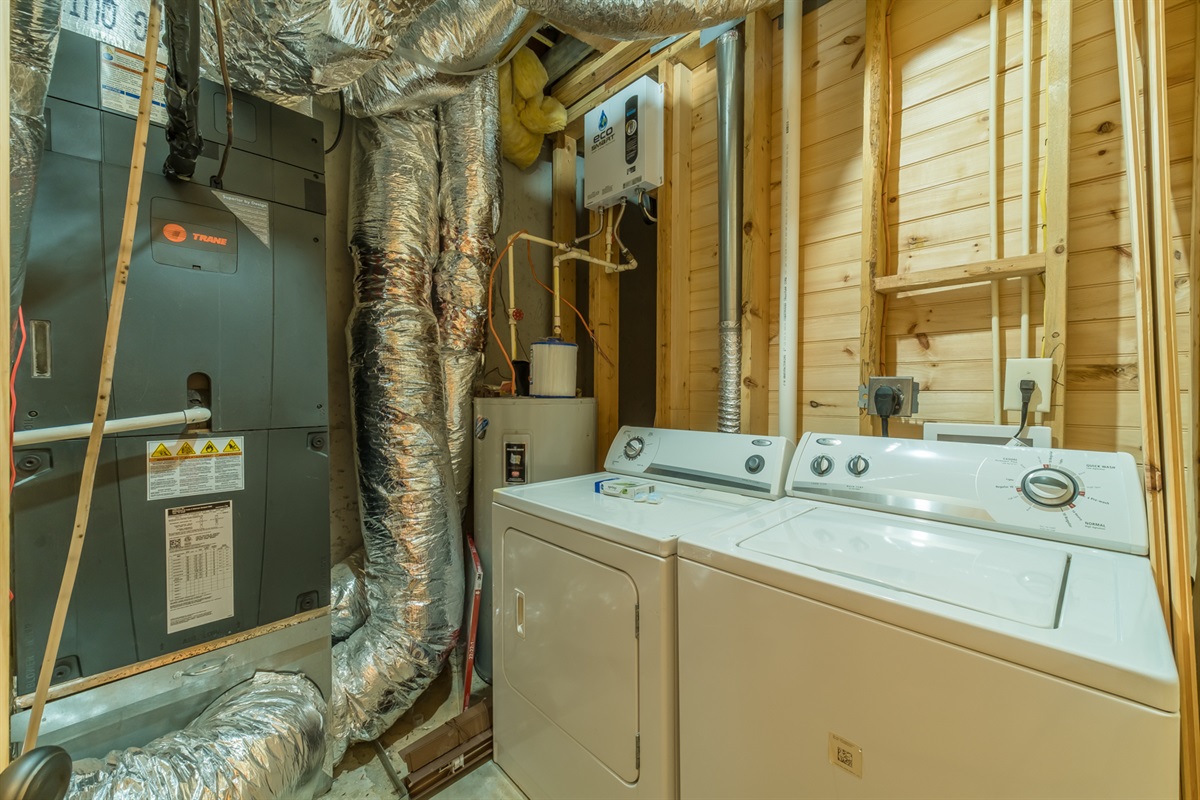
<point>938,215</point>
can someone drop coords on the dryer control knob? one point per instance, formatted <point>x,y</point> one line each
<point>1049,487</point>
<point>858,465</point>
<point>822,466</point>
<point>634,447</point>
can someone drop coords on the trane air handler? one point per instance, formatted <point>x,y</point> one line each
<point>623,146</point>
<point>196,535</point>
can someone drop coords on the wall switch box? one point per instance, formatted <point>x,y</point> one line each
<point>1038,370</point>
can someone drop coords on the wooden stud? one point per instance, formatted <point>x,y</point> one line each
<point>674,264</point>
<point>961,276</point>
<point>104,392</point>
<point>604,307</point>
<point>563,223</point>
<point>6,646</point>
<point>577,83</point>
<point>756,225</point>
<point>876,135</point>
<point>1058,160</point>
<point>1194,287</point>
<point>1135,175</point>
<point>1170,422</point>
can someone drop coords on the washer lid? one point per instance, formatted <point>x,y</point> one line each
<point>1003,578</point>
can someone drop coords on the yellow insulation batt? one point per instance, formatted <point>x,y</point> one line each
<point>526,115</point>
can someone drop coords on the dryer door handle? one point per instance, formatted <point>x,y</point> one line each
<point>520,613</point>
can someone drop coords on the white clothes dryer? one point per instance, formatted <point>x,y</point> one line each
<point>584,604</point>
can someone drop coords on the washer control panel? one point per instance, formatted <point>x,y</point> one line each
<point>1087,498</point>
<point>756,466</point>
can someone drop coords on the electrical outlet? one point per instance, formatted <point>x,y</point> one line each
<point>1038,370</point>
<point>906,387</point>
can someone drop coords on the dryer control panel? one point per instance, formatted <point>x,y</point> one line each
<point>1075,496</point>
<point>756,466</point>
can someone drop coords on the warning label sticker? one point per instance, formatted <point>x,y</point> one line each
<point>199,564</point>
<point>121,83</point>
<point>254,214</point>
<point>186,467</point>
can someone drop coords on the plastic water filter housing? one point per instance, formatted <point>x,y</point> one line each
<point>553,368</point>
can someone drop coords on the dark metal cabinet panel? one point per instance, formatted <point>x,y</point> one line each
<point>99,630</point>
<point>300,386</point>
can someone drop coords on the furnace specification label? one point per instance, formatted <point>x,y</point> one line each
<point>199,565</point>
<point>121,83</point>
<point>186,467</point>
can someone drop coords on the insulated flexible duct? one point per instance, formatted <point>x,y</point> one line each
<point>34,39</point>
<point>410,518</point>
<point>469,134</point>
<point>261,740</point>
<point>347,596</point>
<point>453,36</point>
<point>730,102</point>
<point>641,19</point>
<point>182,88</point>
<point>282,49</point>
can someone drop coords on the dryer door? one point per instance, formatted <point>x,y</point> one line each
<point>570,646</point>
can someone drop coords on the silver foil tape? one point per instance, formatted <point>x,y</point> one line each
<point>453,36</point>
<point>290,48</point>
<point>469,199</point>
<point>729,397</point>
<point>641,19</point>
<point>34,39</point>
<point>261,740</point>
<point>347,596</point>
<point>410,518</point>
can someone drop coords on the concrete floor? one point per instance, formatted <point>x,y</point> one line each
<point>361,776</point>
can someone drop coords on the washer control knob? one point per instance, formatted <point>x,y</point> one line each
<point>858,465</point>
<point>634,447</point>
<point>1049,487</point>
<point>822,466</point>
<point>754,464</point>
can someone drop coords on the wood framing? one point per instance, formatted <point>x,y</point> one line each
<point>1058,159</point>
<point>1170,421</point>
<point>756,225</point>
<point>674,266</point>
<point>1194,286</point>
<point>876,135</point>
<point>577,83</point>
<point>604,308</point>
<point>563,223</point>
<point>978,272</point>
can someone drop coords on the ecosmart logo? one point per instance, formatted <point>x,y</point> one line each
<point>606,133</point>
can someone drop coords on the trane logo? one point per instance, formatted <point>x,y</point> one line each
<point>174,232</point>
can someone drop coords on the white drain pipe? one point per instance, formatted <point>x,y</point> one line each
<point>789,272</point>
<point>63,432</point>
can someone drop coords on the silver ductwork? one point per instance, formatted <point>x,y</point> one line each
<point>34,39</point>
<point>428,63</point>
<point>282,49</point>
<point>641,19</point>
<point>410,517</point>
<point>730,102</point>
<point>347,596</point>
<point>263,739</point>
<point>469,199</point>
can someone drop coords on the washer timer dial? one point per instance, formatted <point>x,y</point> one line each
<point>1049,487</point>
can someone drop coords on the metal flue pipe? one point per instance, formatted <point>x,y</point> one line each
<point>730,102</point>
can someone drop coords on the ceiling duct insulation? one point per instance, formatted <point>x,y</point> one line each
<point>261,740</point>
<point>283,49</point>
<point>469,199</point>
<point>33,39</point>
<point>453,36</point>
<point>181,88</point>
<point>641,19</point>
<point>410,518</point>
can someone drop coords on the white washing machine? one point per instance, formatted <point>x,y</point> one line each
<point>948,621</point>
<point>584,598</point>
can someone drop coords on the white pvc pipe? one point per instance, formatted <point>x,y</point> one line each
<point>1027,161</point>
<point>994,202</point>
<point>81,431</point>
<point>789,273</point>
<point>512,306</point>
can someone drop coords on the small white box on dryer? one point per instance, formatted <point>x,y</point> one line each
<point>623,145</point>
